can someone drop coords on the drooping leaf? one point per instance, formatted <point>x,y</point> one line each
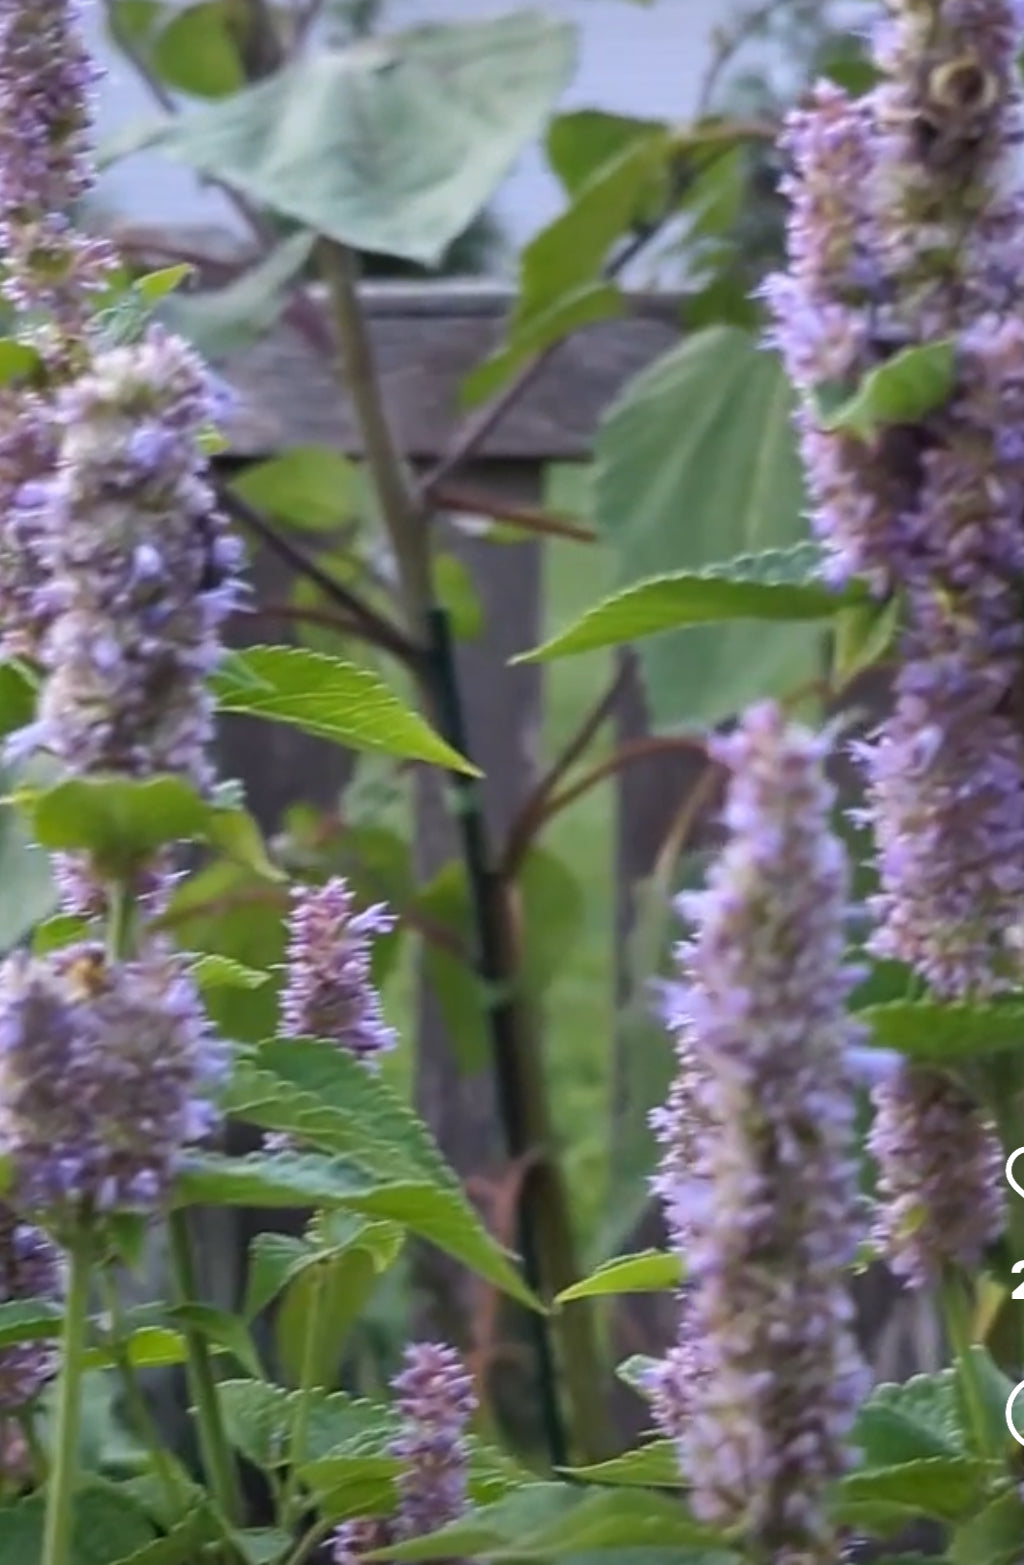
<point>224,321</point>
<point>695,464</point>
<point>333,700</point>
<point>651,1271</point>
<point>903,390</point>
<point>393,145</point>
<point>945,1034</point>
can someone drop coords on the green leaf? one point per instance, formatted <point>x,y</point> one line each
<point>149,1347</point>
<point>123,821</point>
<point>395,144</point>
<point>311,487</point>
<point>183,1544</point>
<point>196,52</point>
<point>457,595</point>
<point>651,1271</point>
<point>18,362</point>
<point>696,463</point>
<point>635,1372</point>
<point>334,700</point>
<point>17,697</point>
<point>273,1260</point>
<point>30,895</point>
<point>214,971</point>
<point>262,1545</point>
<point>993,1536</point>
<point>107,1527</point>
<point>258,1419</point>
<point>550,1521</point>
<point>864,634</point>
<point>904,390</point>
<point>565,260</point>
<point>29,1320</point>
<point>586,140</point>
<point>344,1282</point>
<point>654,1466</point>
<point>948,1488</point>
<point>224,321</point>
<point>553,913</point>
<point>913,1420</point>
<point>219,1328</point>
<point>325,1097</point>
<point>157,286</point>
<point>293,1180</point>
<point>666,603</point>
<point>945,1034</point>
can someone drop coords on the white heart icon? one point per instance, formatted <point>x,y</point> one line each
<point>1009,1171</point>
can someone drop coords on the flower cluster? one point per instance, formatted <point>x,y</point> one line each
<point>760,1182</point>
<point>328,991</point>
<point>106,1071</point>
<point>46,166</point>
<point>435,1401</point>
<point>907,221</point>
<point>29,1269</point>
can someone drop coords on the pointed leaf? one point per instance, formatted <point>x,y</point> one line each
<point>651,1271</point>
<point>224,321</point>
<point>654,1466</point>
<point>904,390</point>
<point>945,1034</point>
<point>334,700</point>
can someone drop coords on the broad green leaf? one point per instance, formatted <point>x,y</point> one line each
<point>334,700</point>
<point>224,321</point>
<point>585,140</point>
<point>196,52</point>
<point>298,1180</point>
<point>667,603</point>
<point>395,144</point>
<point>565,260</point>
<point>18,362</point>
<point>914,1420</point>
<point>993,1390</point>
<point>262,1545</point>
<point>149,1347</point>
<point>273,1260</point>
<point>945,1034</point>
<point>258,1419</point>
<point>29,1320</point>
<point>156,286</point>
<point>576,1522</point>
<point>310,487</point>
<point>342,1284</point>
<point>993,1536</point>
<point>651,1271</point>
<point>654,1466</point>
<point>903,390</point>
<point>585,304</point>
<point>30,895</point>
<point>864,635</point>
<point>696,463</point>
<point>107,1527</point>
<point>219,1328</point>
<point>214,971</point>
<point>948,1488</point>
<point>17,697</point>
<point>122,821</point>
<point>325,1097</point>
<point>182,1545</point>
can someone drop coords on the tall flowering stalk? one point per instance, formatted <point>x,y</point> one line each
<point>906,227</point>
<point>328,991</point>
<point>759,1172</point>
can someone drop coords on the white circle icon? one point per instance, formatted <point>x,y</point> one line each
<point>1011,1399</point>
<point>1010,1178</point>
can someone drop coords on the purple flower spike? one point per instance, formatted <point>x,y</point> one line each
<point>940,1176</point>
<point>29,1269</point>
<point>436,1401</point>
<point>137,553</point>
<point>106,1075</point>
<point>765,1156</point>
<point>328,991</point>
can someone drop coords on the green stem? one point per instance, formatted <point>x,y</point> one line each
<point>310,1543</point>
<point>304,1398</point>
<point>957,1310</point>
<point>218,1461</point>
<point>61,1487</point>
<point>137,1406</point>
<point>120,921</point>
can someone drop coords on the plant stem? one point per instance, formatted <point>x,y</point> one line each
<point>144,1423</point>
<point>304,1398</point>
<point>956,1308</point>
<point>61,1487</point>
<point>218,1460</point>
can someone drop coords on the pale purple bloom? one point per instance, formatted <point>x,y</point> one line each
<point>29,1269</point>
<point>328,991</point>
<point>27,450</point>
<point>357,1537</point>
<point>107,1071</point>
<point>764,1000</point>
<point>83,895</point>
<point>142,567</point>
<point>436,1401</point>
<point>940,1176</point>
<point>46,164</point>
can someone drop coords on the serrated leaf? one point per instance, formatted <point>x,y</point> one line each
<point>915,1419</point>
<point>322,1095</point>
<point>948,1488</point>
<point>651,1271</point>
<point>903,390</point>
<point>944,1034</point>
<point>575,1523</point>
<point>281,1180</point>
<point>122,821</point>
<point>666,603</point>
<point>654,1466</point>
<point>213,971</point>
<point>258,1419</point>
<point>696,462</point>
<point>310,487</point>
<point>107,1527</point>
<point>395,144</point>
<point>331,699</point>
